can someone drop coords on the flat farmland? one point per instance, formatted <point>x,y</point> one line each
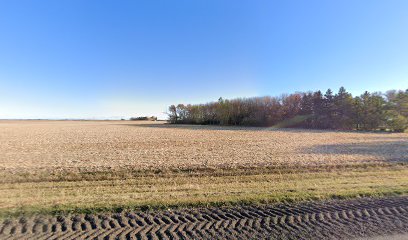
<point>94,166</point>
<point>31,146</point>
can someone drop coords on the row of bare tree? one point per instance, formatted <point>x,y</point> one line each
<point>369,111</point>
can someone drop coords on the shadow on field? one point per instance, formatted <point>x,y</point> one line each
<point>396,150</point>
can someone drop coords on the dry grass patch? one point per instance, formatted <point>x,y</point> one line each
<point>185,190</point>
<point>49,166</point>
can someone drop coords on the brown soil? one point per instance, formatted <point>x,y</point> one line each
<point>69,146</point>
<point>339,219</point>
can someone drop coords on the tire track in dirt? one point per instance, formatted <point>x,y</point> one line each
<point>340,219</point>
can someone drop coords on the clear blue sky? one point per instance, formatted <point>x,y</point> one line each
<point>84,59</point>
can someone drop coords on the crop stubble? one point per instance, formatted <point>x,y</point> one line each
<point>36,146</point>
<point>68,165</point>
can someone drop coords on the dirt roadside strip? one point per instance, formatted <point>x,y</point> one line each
<point>336,219</point>
<point>389,237</point>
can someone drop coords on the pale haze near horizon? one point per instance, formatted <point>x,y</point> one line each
<point>102,59</point>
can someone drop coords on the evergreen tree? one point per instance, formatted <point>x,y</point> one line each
<point>343,110</point>
<point>318,110</point>
<point>372,111</point>
<point>397,110</point>
<point>308,110</point>
<point>328,109</point>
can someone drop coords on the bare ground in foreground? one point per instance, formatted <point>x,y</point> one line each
<point>85,171</point>
<point>339,219</point>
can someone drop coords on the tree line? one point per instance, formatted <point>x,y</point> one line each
<point>146,118</point>
<point>369,111</point>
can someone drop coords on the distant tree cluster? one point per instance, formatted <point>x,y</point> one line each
<point>369,111</point>
<point>152,118</point>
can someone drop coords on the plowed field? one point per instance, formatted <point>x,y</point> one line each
<point>30,146</point>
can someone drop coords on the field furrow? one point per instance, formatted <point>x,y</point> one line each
<point>324,219</point>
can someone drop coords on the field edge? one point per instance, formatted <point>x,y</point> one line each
<point>186,191</point>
